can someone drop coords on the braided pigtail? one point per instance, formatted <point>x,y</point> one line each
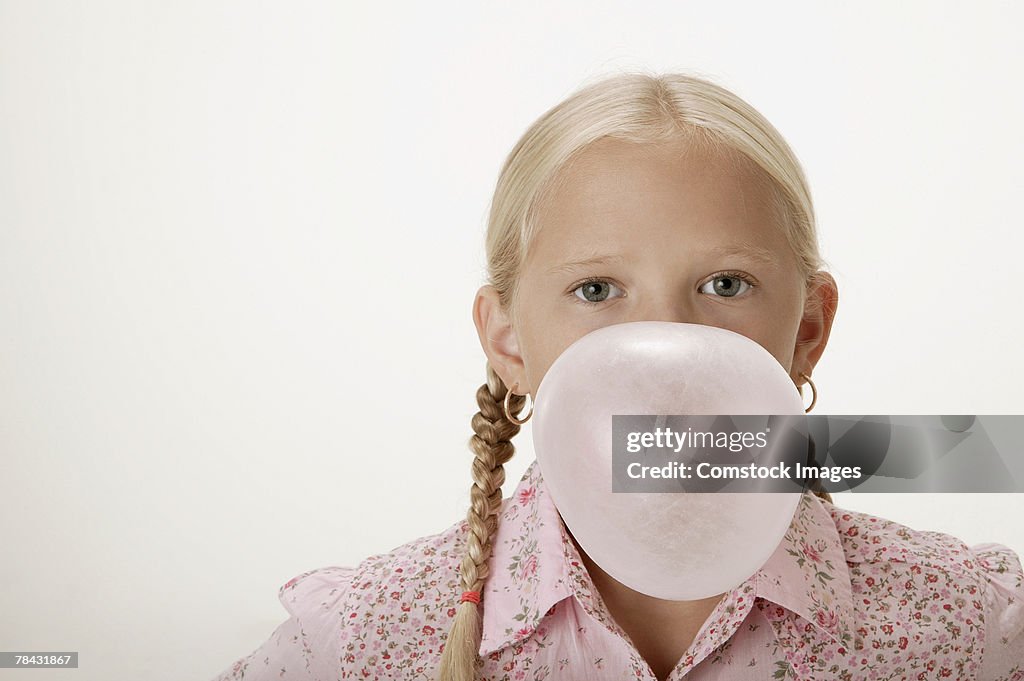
<point>492,446</point>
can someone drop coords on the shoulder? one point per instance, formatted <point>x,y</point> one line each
<point>1003,596</point>
<point>872,539</point>
<point>969,592</point>
<point>429,563</point>
<point>392,610</point>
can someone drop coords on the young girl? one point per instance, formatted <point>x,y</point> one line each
<point>647,198</point>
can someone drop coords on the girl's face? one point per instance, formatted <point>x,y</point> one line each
<point>655,232</point>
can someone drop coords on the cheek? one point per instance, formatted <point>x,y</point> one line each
<point>546,351</point>
<point>772,335</point>
<point>542,347</point>
<point>777,338</point>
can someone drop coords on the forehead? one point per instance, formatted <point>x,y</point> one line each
<point>618,193</point>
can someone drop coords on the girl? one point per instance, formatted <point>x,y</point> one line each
<point>647,198</point>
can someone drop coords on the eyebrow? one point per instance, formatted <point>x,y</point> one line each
<point>744,250</point>
<point>579,264</point>
<point>741,250</point>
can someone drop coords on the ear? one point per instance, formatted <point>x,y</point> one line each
<point>816,324</point>
<point>498,339</point>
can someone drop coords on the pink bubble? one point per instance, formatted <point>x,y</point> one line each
<point>675,546</point>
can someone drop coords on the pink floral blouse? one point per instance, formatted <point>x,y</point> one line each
<point>845,596</point>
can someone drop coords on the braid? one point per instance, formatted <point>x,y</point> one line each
<point>492,446</point>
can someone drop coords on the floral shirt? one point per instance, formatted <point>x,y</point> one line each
<point>845,596</point>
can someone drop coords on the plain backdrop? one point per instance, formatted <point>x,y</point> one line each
<point>240,241</point>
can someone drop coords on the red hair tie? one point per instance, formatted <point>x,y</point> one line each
<point>471,596</point>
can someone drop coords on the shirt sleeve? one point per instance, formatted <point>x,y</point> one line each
<point>305,646</point>
<point>1003,600</point>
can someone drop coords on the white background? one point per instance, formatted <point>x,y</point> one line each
<point>239,244</point>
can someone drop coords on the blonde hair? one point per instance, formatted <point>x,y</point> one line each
<point>634,107</point>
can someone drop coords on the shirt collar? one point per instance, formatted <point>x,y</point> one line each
<point>534,565</point>
<point>527,572</point>
<point>808,572</point>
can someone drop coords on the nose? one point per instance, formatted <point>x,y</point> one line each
<point>669,308</point>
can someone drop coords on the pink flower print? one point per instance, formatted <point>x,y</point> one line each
<point>810,552</point>
<point>528,567</point>
<point>917,607</point>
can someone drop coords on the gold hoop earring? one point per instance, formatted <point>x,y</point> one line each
<point>814,391</point>
<point>508,415</point>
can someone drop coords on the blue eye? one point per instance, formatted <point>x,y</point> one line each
<point>727,285</point>
<point>595,291</point>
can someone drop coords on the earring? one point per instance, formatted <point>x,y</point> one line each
<point>814,391</point>
<point>508,415</point>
